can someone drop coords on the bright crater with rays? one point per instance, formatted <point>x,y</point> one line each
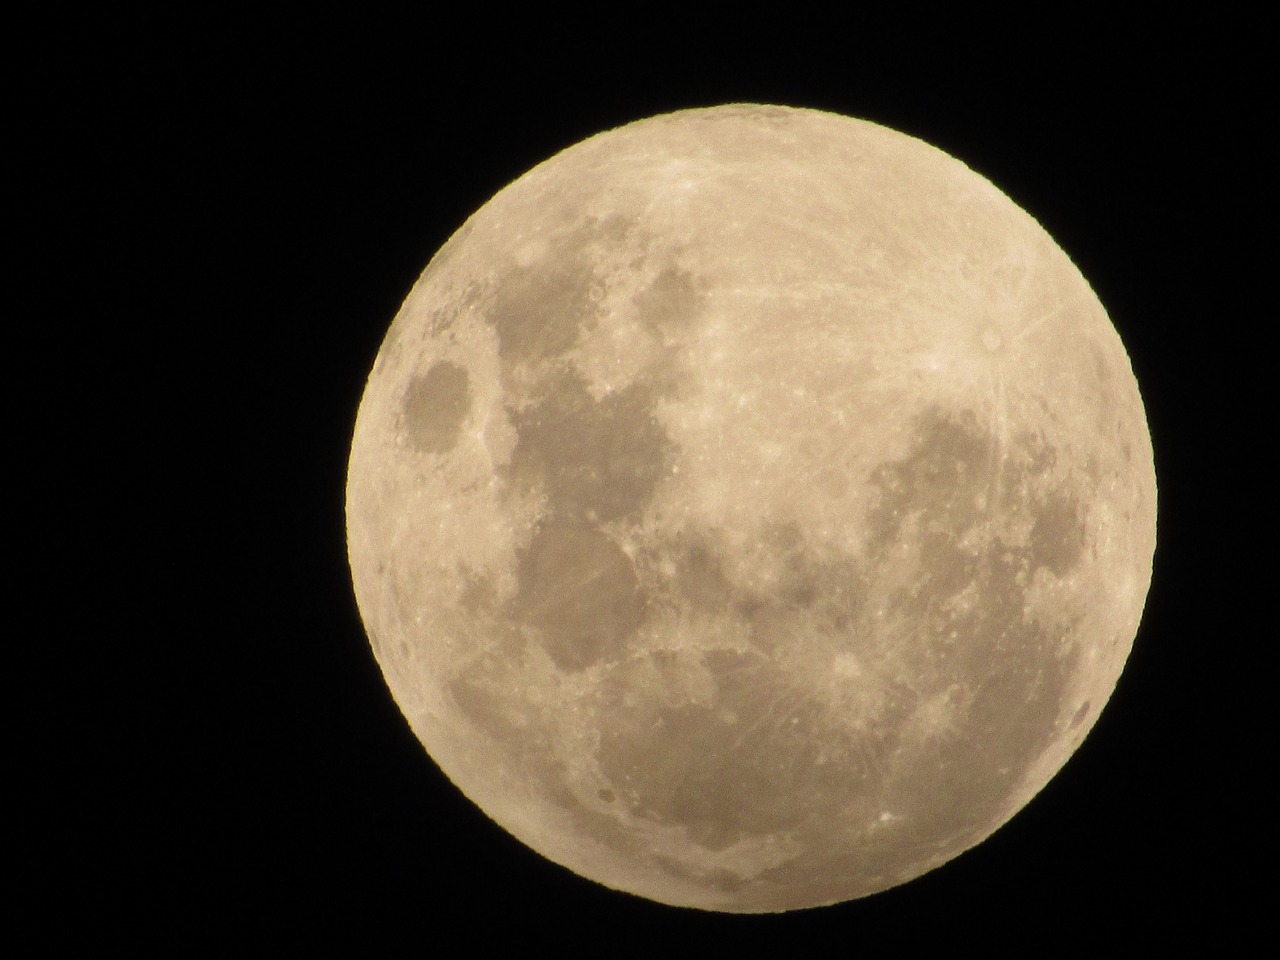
<point>751,508</point>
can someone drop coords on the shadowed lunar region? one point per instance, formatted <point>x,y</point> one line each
<point>751,508</point>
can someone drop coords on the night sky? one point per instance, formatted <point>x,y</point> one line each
<point>232,210</point>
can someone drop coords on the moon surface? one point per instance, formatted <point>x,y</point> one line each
<point>751,508</point>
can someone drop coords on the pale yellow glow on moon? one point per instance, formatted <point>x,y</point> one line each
<point>751,508</point>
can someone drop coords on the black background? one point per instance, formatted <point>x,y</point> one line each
<point>233,208</point>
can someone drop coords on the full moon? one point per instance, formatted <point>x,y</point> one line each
<point>751,508</point>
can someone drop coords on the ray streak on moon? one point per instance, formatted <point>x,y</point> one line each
<point>1000,437</point>
<point>1037,322</point>
<point>751,508</point>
